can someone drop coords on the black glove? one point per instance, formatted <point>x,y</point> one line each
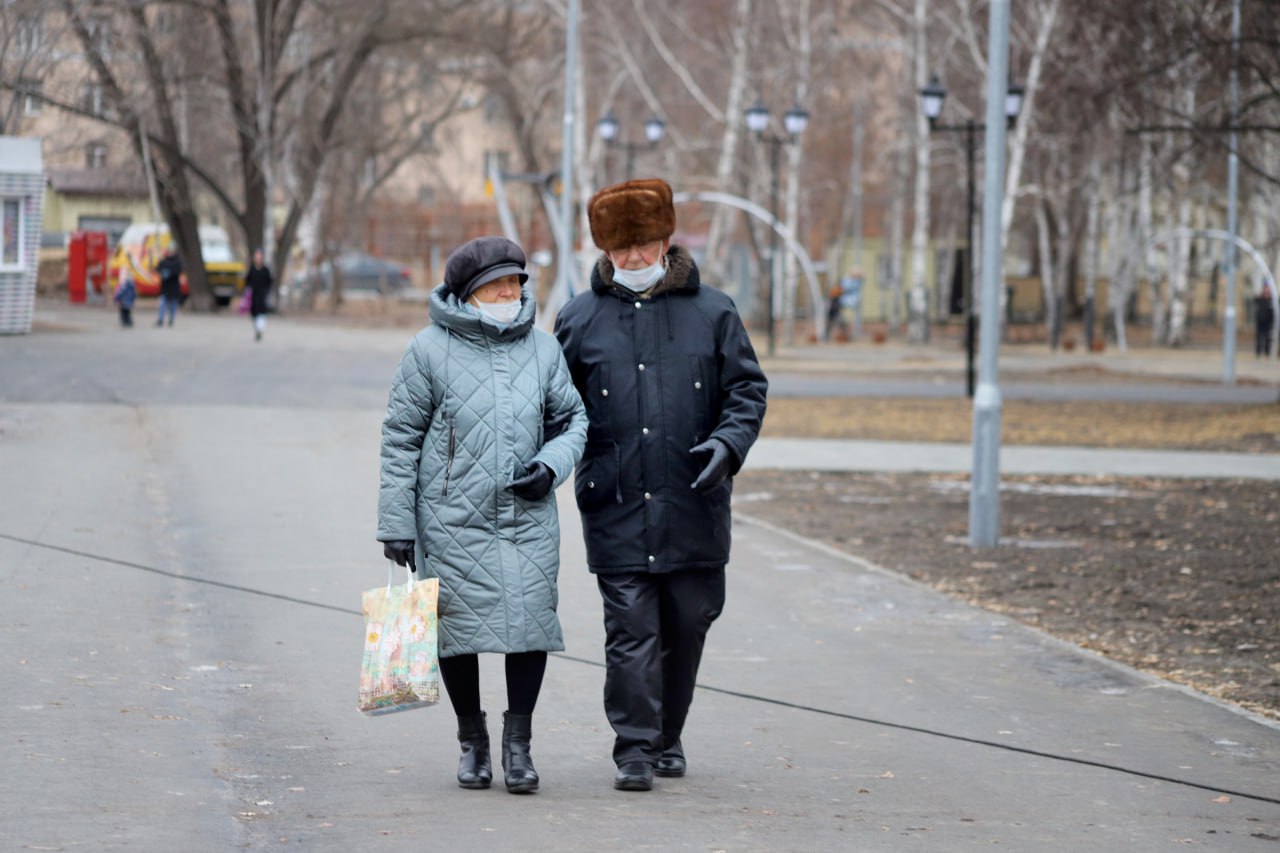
<point>553,425</point>
<point>717,467</point>
<point>535,485</point>
<point>401,551</point>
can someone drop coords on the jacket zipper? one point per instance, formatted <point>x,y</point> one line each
<point>448,468</point>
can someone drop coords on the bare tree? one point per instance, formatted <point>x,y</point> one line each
<point>288,69</point>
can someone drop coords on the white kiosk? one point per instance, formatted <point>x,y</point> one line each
<point>21,219</point>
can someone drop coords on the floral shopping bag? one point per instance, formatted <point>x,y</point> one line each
<point>401,668</point>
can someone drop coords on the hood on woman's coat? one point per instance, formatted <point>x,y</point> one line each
<point>466,321</point>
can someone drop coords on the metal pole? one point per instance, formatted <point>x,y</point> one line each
<point>631,159</point>
<point>776,142</point>
<point>1233,180</point>
<point>565,262</point>
<point>971,265</point>
<point>984,492</point>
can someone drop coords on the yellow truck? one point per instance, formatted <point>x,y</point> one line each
<point>143,244</point>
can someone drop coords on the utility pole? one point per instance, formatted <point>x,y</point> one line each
<point>564,235</point>
<point>984,482</point>
<point>1233,182</point>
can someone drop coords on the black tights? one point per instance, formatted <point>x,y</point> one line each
<point>461,675</point>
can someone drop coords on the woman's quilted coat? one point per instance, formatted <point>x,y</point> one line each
<point>466,417</point>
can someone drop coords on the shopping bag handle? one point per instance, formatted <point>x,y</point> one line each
<point>408,583</point>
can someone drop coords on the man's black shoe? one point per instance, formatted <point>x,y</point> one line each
<point>671,765</point>
<point>634,776</point>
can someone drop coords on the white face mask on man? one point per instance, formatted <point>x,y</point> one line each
<point>639,281</point>
<point>502,313</point>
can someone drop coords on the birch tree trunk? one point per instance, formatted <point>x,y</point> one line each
<point>1047,18</point>
<point>1092,248</point>
<point>855,185</point>
<point>1122,270</point>
<point>1062,264</point>
<point>1047,288</point>
<point>897,238</point>
<point>795,157</point>
<point>1145,165</point>
<point>918,321</point>
<point>1178,284</point>
<point>723,217</point>
<point>1180,261</point>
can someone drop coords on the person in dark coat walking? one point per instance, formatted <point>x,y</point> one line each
<point>675,398</point>
<point>170,271</point>
<point>258,281</point>
<point>1264,318</point>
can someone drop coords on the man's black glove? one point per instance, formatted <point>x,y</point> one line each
<point>535,485</point>
<point>401,551</point>
<point>716,469</point>
<point>553,425</point>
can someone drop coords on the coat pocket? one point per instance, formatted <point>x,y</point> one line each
<point>448,465</point>
<point>596,483</point>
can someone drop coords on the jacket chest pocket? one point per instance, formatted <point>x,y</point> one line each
<point>596,483</point>
<point>699,388</point>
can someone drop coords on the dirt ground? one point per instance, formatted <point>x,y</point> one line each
<point>1180,578</point>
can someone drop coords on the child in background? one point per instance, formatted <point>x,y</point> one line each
<point>126,294</point>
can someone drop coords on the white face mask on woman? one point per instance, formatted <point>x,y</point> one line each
<point>639,281</point>
<point>502,313</point>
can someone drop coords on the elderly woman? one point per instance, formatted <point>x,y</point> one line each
<point>469,470</point>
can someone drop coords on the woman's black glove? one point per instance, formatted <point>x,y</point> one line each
<point>401,551</point>
<point>717,467</point>
<point>535,485</point>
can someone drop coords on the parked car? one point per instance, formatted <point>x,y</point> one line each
<point>360,273</point>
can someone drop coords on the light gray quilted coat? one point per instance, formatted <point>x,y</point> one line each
<point>465,418</point>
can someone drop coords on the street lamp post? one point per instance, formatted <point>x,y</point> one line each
<point>607,129</point>
<point>795,121</point>
<point>931,99</point>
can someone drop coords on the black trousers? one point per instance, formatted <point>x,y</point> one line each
<point>655,627</point>
<point>1262,340</point>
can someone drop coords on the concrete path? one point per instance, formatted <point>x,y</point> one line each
<point>180,572</point>
<point>783,383</point>
<point>821,454</point>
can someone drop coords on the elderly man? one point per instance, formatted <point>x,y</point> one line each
<point>675,398</point>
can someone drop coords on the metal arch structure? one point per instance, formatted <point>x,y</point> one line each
<point>1227,237</point>
<point>806,263</point>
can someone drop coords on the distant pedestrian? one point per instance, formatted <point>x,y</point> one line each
<point>170,271</point>
<point>1264,318</point>
<point>125,295</point>
<point>258,282</point>
<point>833,312</point>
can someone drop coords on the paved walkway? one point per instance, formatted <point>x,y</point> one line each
<point>180,573</point>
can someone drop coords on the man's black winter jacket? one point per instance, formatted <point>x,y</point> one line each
<point>659,375</point>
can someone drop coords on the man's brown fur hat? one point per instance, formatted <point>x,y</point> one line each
<point>631,214</point>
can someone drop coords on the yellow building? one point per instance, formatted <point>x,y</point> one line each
<point>86,199</point>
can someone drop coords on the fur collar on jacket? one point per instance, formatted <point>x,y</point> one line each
<point>682,275</point>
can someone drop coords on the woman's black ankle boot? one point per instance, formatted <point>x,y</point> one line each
<point>475,768</point>
<point>516,763</point>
